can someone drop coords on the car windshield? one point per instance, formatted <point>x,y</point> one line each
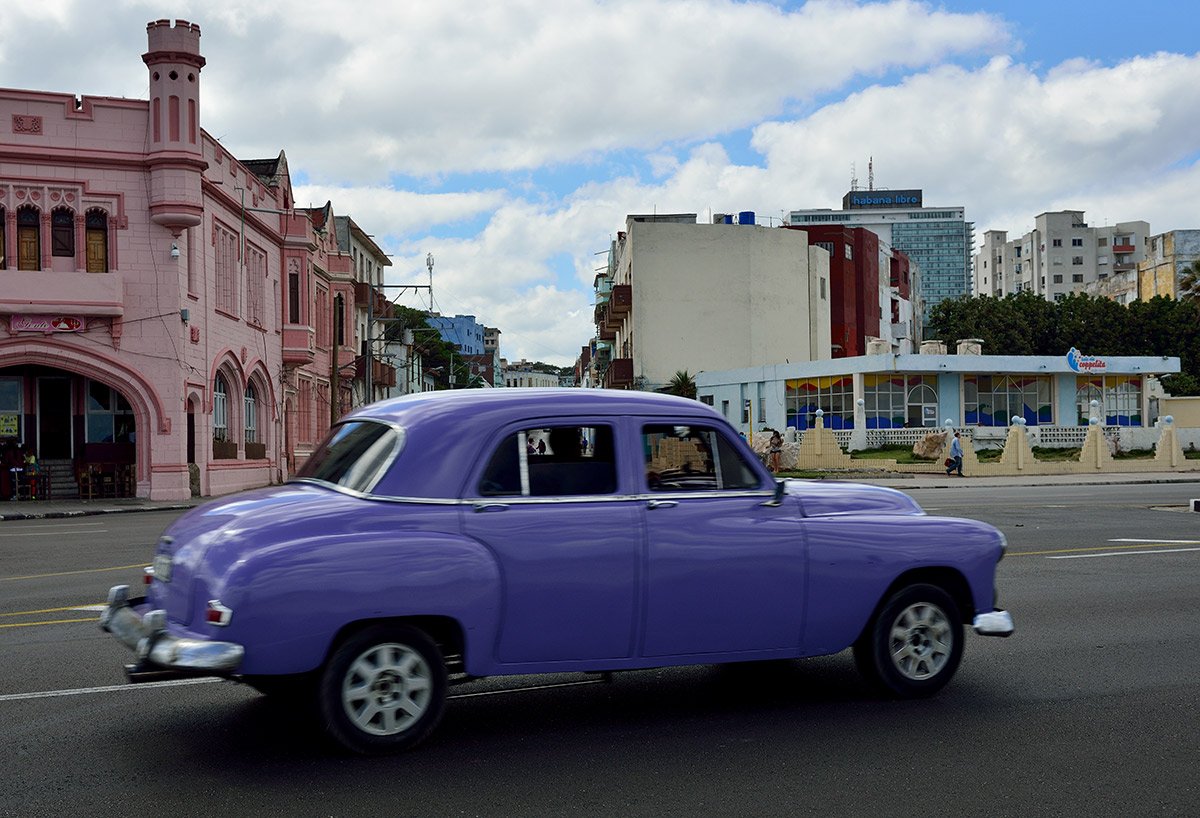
<point>354,455</point>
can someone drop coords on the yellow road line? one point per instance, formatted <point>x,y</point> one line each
<point>45,610</point>
<point>69,573</point>
<point>1089,548</point>
<point>49,622</point>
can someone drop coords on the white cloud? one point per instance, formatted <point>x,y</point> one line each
<point>634,106</point>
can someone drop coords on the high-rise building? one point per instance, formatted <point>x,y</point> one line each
<point>938,240</point>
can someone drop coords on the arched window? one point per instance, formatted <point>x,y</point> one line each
<point>62,233</point>
<point>922,406</point>
<point>96,241</point>
<point>339,320</point>
<point>29,239</point>
<point>220,409</point>
<point>250,412</point>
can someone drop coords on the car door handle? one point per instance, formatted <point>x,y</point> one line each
<point>491,507</point>
<point>653,504</point>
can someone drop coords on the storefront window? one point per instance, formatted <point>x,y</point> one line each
<point>993,400</point>
<point>1120,398</point>
<point>109,415</point>
<point>833,395</point>
<point>884,399</point>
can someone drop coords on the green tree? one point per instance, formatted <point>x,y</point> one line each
<point>682,384</point>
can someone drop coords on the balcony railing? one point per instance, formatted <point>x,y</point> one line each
<point>622,298</point>
<point>619,373</point>
<point>1123,248</point>
<point>298,344</point>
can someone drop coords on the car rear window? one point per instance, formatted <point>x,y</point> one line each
<point>354,455</point>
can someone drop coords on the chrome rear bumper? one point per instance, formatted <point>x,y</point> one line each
<point>994,623</point>
<point>157,650</point>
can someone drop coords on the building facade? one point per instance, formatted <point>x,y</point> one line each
<point>932,389</point>
<point>938,240</point>
<point>1168,255</point>
<point>870,291</point>
<point>463,331</point>
<point>1062,254</point>
<point>687,296</point>
<point>167,316</point>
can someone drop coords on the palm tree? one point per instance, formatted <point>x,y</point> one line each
<point>1189,283</point>
<point>682,384</point>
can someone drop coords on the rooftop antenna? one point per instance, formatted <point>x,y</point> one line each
<point>871,173</point>
<point>853,177</point>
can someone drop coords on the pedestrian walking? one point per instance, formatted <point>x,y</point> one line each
<point>954,462</point>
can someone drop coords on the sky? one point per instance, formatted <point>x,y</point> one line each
<point>511,139</point>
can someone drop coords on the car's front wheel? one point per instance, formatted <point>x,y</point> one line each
<point>383,689</point>
<point>914,644</point>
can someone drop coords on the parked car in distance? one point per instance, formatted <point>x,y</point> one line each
<point>453,535</point>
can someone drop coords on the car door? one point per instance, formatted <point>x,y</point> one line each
<point>725,556</point>
<point>546,503</point>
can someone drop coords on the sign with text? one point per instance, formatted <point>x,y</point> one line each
<point>869,199</point>
<point>1085,363</point>
<point>46,323</point>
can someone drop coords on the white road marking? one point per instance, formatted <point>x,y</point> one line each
<point>83,691</point>
<point>1168,542</point>
<point>1124,553</point>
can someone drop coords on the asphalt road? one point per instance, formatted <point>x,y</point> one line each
<point>1090,709</point>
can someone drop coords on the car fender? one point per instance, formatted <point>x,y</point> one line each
<point>292,599</point>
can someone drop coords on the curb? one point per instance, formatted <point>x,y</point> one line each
<point>88,512</point>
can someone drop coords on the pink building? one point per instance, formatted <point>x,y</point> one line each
<point>166,326</point>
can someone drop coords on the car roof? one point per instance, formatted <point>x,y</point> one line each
<point>447,432</point>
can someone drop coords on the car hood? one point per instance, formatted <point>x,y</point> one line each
<point>821,498</point>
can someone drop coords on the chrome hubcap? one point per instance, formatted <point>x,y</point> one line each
<point>387,689</point>
<point>921,641</point>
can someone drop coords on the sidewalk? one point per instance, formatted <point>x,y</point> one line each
<point>941,481</point>
<point>50,509</point>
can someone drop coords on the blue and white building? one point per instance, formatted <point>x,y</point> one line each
<point>927,390</point>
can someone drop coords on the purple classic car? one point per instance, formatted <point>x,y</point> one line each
<point>454,535</point>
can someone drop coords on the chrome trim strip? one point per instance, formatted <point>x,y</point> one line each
<point>514,499</point>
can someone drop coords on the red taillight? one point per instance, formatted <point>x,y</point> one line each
<point>217,614</point>
<point>147,575</point>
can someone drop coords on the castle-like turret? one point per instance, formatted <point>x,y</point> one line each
<point>176,159</point>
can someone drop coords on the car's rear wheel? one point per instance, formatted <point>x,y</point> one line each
<point>914,644</point>
<point>383,689</point>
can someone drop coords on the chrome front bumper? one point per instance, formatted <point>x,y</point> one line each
<point>994,623</point>
<point>159,653</point>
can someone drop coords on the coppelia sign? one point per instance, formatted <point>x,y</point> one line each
<point>46,323</point>
<point>1085,363</point>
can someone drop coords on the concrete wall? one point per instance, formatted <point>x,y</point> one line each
<point>718,296</point>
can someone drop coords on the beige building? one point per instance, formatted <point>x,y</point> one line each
<point>1061,255</point>
<point>1168,256</point>
<point>678,295</point>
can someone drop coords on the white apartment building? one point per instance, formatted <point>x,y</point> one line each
<point>678,295</point>
<point>1061,255</point>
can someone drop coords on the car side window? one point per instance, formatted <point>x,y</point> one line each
<point>552,461</point>
<point>693,458</point>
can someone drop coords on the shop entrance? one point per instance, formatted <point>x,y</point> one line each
<point>54,419</point>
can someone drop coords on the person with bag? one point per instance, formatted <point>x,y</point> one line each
<point>955,460</point>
